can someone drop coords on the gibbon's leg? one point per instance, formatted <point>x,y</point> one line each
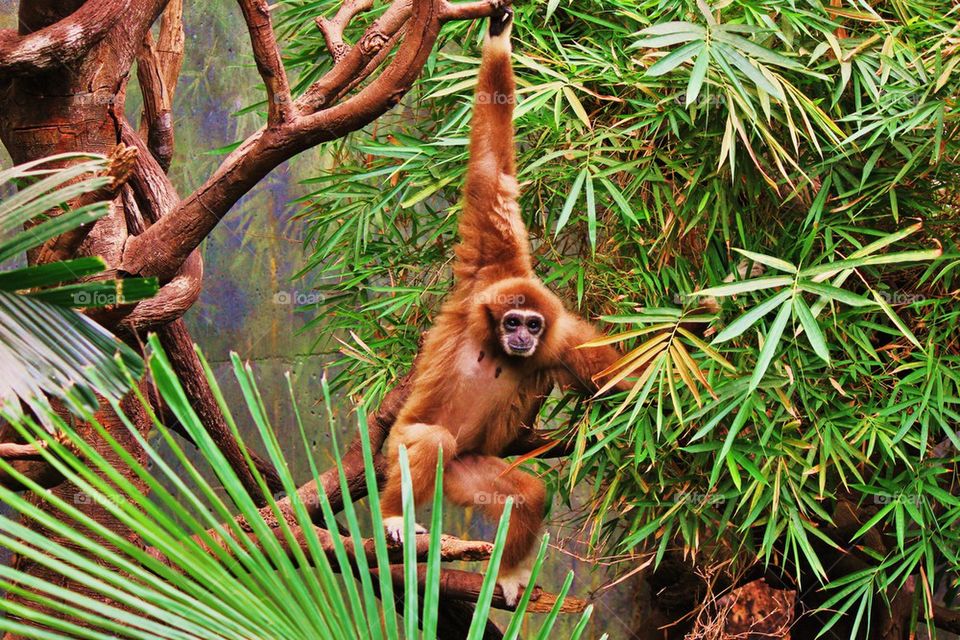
<point>423,442</point>
<point>486,482</point>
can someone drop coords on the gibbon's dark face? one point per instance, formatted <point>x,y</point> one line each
<point>520,332</point>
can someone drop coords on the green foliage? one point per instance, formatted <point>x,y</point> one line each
<point>765,193</point>
<point>263,586</point>
<point>46,348</point>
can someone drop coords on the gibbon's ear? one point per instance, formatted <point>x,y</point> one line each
<point>500,21</point>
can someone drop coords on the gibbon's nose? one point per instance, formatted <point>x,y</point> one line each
<point>520,341</point>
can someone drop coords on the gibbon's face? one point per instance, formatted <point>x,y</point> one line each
<point>520,332</point>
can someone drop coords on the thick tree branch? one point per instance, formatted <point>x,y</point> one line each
<point>353,60</point>
<point>156,122</point>
<point>178,346</point>
<point>170,44</point>
<point>454,584</point>
<point>266,53</point>
<point>154,196</point>
<point>154,192</point>
<point>60,43</point>
<point>378,428</point>
<point>451,548</point>
<point>162,248</point>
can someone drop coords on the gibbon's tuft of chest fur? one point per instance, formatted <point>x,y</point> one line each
<point>480,394</point>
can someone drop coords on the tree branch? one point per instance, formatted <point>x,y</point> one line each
<point>121,162</point>
<point>451,548</point>
<point>60,43</point>
<point>266,53</point>
<point>378,36</point>
<point>378,428</point>
<point>178,346</point>
<point>465,585</point>
<point>454,584</point>
<point>332,29</point>
<point>22,450</point>
<point>158,67</point>
<point>162,248</point>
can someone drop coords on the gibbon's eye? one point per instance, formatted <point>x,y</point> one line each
<point>511,323</point>
<point>534,325</point>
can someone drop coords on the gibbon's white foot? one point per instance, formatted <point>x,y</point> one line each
<point>511,581</point>
<point>394,528</point>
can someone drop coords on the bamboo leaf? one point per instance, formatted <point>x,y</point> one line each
<point>745,286</point>
<point>674,59</point>
<point>770,344</point>
<point>814,335</point>
<point>748,319</point>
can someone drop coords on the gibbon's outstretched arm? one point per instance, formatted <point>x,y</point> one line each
<point>493,238</point>
<point>579,366</point>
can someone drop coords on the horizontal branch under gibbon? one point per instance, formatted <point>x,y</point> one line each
<point>454,584</point>
<point>451,548</point>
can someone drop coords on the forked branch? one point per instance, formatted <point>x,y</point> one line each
<point>332,28</point>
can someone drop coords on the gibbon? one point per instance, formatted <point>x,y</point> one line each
<point>501,341</point>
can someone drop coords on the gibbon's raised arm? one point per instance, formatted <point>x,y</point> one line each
<point>493,238</point>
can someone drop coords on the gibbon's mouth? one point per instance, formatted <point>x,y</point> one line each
<point>520,349</point>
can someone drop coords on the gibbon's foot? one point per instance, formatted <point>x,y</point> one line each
<point>511,581</point>
<point>500,21</point>
<point>394,528</point>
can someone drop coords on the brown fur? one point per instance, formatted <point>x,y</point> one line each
<point>469,397</point>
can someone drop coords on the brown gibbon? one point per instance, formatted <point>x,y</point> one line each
<point>500,343</point>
